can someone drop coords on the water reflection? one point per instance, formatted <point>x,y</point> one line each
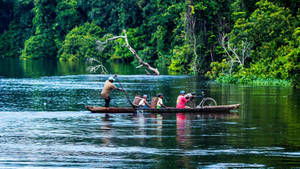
<point>183,128</point>
<point>141,123</point>
<point>106,130</point>
<point>148,125</point>
<point>184,120</point>
<point>14,67</point>
<point>157,119</point>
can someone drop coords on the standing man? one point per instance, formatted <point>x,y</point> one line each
<point>108,87</point>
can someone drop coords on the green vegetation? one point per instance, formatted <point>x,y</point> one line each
<point>252,80</point>
<point>80,43</point>
<point>235,41</point>
<point>17,27</point>
<point>39,46</point>
<point>272,36</point>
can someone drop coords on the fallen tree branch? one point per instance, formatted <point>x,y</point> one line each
<point>139,66</point>
<point>96,67</point>
<point>100,44</point>
<point>138,57</point>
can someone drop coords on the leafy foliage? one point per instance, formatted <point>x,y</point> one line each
<point>218,69</point>
<point>39,46</point>
<point>80,43</point>
<point>67,17</point>
<point>180,60</point>
<point>19,28</point>
<point>112,16</point>
<point>275,54</point>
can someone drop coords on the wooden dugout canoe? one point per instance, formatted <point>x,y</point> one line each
<point>205,109</point>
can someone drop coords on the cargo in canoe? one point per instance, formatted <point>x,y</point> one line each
<point>204,109</point>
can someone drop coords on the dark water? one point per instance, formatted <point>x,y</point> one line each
<point>43,123</point>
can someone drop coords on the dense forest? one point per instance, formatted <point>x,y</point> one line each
<point>236,41</point>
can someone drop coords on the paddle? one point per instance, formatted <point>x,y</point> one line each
<point>124,91</point>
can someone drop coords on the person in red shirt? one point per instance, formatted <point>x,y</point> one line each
<point>181,100</point>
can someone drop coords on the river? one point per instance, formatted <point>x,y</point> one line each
<point>44,124</point>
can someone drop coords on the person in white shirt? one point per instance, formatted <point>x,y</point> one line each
<point>159,103</point>
<point>143,103</point>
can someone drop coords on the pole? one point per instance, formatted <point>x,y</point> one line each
<point>124,91</point>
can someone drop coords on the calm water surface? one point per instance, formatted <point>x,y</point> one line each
<point>43,124</point>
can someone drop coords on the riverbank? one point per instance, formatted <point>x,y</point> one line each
<point>14,67</point>
<point>255,82</point>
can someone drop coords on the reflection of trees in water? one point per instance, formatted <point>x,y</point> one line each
<point>13,67</point>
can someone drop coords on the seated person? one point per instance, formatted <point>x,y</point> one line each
<point>181,100</point>
<point>159,103</point>
<point>143,103</point>
<point>192,102</point>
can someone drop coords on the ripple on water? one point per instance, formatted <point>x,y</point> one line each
<point>233,165</point>
<point>269,151</point>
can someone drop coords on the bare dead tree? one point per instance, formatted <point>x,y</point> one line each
<point>189,20</point>
<point>236,53</point>
<point>195,65</point>
<point>190,32</point>
<point>101,46</point>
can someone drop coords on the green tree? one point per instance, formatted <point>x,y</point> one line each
<point>6,11</point>
<point>39,46</point>
<point>180,62</point>
<point>44,34</point>
<point>112,16</point>
<point>271,29</point>
<point>273,32</point>
<point>67,17</point>
<point>80,43</point>
<point>18,28</point>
